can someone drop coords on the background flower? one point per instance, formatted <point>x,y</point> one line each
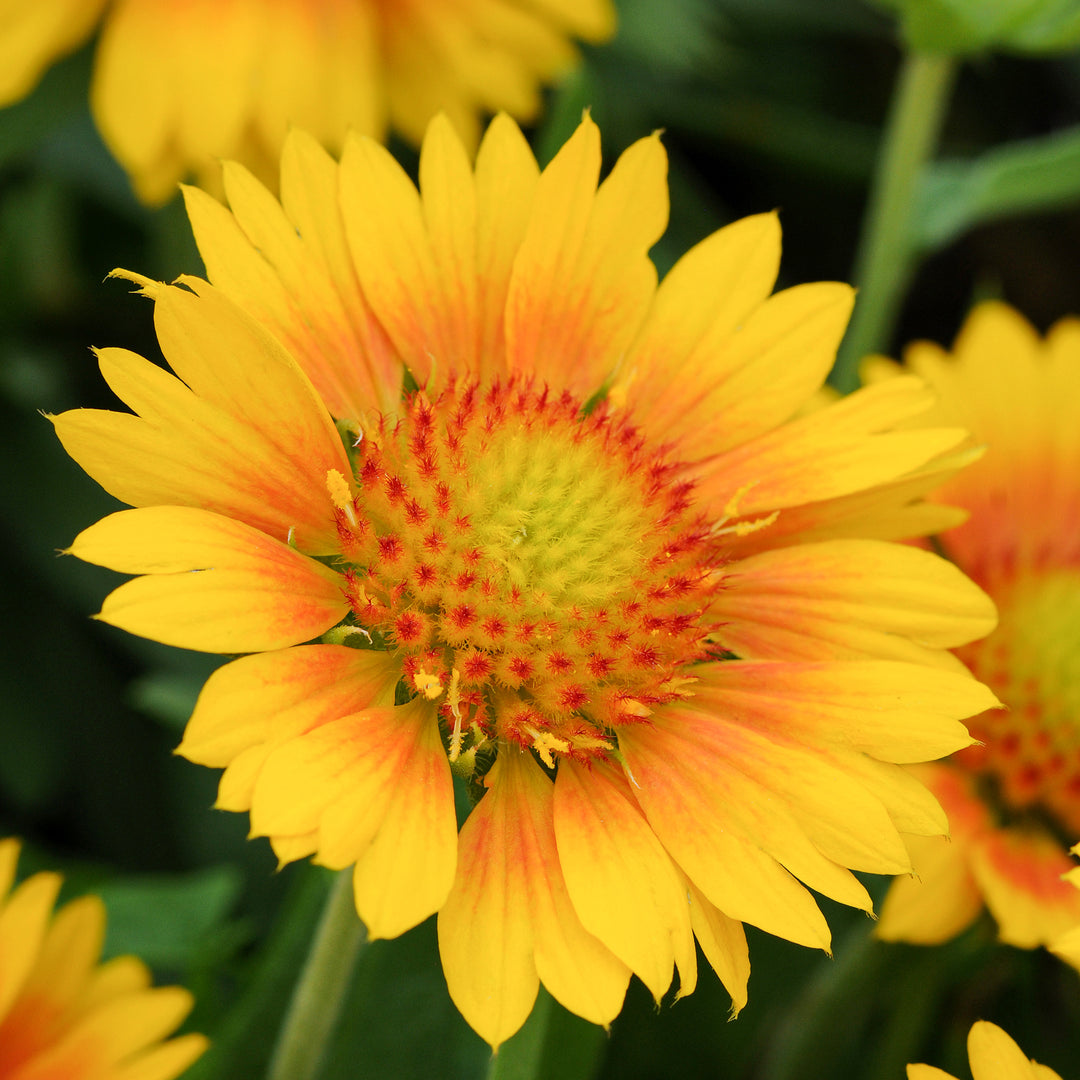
<point>994,1056</point>
<point>62,1012</point>
<point>178,86</point>
<point>1014,801</point>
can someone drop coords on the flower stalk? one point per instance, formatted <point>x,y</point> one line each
<point>320,991</point>
<point>886,256</point>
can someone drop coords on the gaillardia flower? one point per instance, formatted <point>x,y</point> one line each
<point>178,86</point>
<point>64,1015</point>
<point>568,541</point>
<point>1014,800</point>
<point>993,1055</point>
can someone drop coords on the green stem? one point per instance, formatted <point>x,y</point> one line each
<point>320,990</point>
<point>552,1042</point>
<point>886,255</point>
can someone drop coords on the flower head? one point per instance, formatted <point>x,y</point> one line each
<point>570,540</point>
<point>178,86</point>
<point>1014,799</point>
<point>993,1055</point>
<point>64,1014</point>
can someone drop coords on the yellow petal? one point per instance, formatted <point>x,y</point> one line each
<point>406,873</point>
<point>24,921</point>
<point>995,1056</point>
<point>689,816</point>
<point>690,766</point>
<point>895,712</point>
<point>166,1061</point>
<point>723,941</point>
<point>506,179</point>
<point>278,695</point>
<point>508,921</point>
<point>835,451</point>
<point>213,584</point>
<point>582,280</point>
<point>619,877</point>
<point>847,600</point>
<point>707,294</point>
<point>938,901</point>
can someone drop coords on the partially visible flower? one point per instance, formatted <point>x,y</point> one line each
<point>63,1014</point>
<point>993,1055</point>
<point>1068,945</point>
<point>179,85</point>
<point>571,539</point>
<point>1013,801</point>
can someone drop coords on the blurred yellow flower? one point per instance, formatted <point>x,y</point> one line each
<point>1013,801</point>
<point>179,85</point>
<point>571,539</point>
<point>993,1055</point>
<point>64,1015</point>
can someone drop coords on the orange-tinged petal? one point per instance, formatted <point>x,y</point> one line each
<point>621,881</point>
<point>375,789</point>
<point>356,354</point>
<point>707,294</point>
<point>278,695</point>
<point>406,873</point>
<point>126,1024</point>
<point>847,600</point>
<point>506,179</point>
<point>391,250</point>
<point>1020,875</point>
<point>754,377</point>
<point>835,451</point>
<point>735,875</point>
<point>895,712</point>
<point>247,436</point>
<point>582,280</point>
<point>24,921</point>
<point>694,766</point>
<point>212,584</point>
<point>938,901</point>
<point>509,921</point>
<point>448,198</point>
<point>71,947</point>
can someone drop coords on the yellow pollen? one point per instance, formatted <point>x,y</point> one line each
<point>453,699</point>
<point>427,684</point>
<point>635,708</point>
<point>543,742</point>
<point>340,495</point>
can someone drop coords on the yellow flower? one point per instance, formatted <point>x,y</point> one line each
<point>65,1016</point>
<point>993,1055</point>
<point>1014,801</point>
<point>177,86</point>
<point>568,540</point>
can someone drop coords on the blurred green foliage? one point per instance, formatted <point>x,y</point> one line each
<point>764,104</point>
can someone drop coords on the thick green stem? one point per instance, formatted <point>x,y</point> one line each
<point>886,255</point>
<point>320,990</point>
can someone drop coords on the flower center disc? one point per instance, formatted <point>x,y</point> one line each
<point>539,571</point>
<point>1032,662</point>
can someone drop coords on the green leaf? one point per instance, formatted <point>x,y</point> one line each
<point>1020,178</point>
<point>169,921</point>
<point>958,27</point>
